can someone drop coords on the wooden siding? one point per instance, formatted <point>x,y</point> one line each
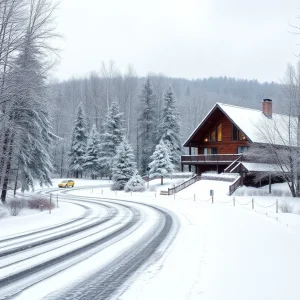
<point>227,145</point>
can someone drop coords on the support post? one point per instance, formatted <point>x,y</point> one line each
<point>270,186</point>
<point>252,203</point>
<point>57,200</point>
<point>50,203</point>
<point>233,201</point>
<point>276,206</point>
<point>212,199</point>
<point>190,153</point>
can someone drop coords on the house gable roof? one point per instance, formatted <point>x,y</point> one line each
<point>247,120</point>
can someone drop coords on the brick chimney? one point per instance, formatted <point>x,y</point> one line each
<point>267,108</point>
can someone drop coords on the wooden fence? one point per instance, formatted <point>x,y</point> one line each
<point>183,185</point>
<point>235,185</point>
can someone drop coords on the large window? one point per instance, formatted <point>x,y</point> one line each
<point>237,135</point>
<point>242,149</point>
<point>210,150</point>
<point>216,135</point>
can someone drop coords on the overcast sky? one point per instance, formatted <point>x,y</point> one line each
<point>180,38</point>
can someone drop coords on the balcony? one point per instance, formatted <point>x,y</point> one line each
<point>209,159</point>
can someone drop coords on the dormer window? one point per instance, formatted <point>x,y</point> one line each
<point>237,135</point>
<point>216,134</point>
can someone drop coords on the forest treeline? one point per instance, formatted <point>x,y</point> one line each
<point>97,91</point>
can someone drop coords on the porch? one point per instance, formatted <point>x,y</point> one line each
<point>208,162</point>
<point>213,159</point>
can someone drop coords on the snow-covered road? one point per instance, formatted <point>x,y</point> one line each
<point>118,237</point>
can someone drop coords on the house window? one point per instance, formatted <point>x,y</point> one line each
<point>216,135</point>
<point>237,135</point>
<point>242,149</point>
<point>210,151</point>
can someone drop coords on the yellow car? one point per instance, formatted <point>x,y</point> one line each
<point>66,183</point>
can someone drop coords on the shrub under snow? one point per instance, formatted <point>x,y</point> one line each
<point>15,205</point>
<point>135,184</point>
<point>3,213</point>
<point>286,207</point>
<point>40,203</point>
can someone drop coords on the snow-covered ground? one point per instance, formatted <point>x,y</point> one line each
<point>227,249</point>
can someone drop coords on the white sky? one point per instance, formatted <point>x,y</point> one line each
<point>180,38</point>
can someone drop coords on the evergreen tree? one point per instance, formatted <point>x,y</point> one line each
<point>111,138</point>
<point>124,165</point>
<point>78,143</point>
<point>91,159</point>
<point>161,164</point>
<point>169,128</point>
<point>135,184</point>
<point>27,134</point>
<point>147,127</point>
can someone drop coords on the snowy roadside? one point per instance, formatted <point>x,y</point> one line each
<point>32,219</point>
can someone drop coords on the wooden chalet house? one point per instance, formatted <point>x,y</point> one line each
<point>223,135</point>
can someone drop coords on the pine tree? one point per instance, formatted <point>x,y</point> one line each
<point>91,159</point>
<point>161,164</point>
<point>135,184</point>
<point>147,127</point>
<point>169,128</point>
<point>78,144</point>
<point>124,166</point>
<point>111,138</point>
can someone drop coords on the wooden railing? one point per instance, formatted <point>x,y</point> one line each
<point>183,185</point>
<point>210,158</point>
<point>235,185</point>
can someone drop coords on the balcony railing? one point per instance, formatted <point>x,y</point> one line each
<point>210,158</point>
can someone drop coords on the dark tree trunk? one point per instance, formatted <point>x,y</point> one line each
<point>7,172</point>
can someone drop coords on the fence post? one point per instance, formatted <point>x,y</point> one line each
<point>131,193</point>
<point>194,197</point>
<point>233,201</point>
<point>252,203</point>
<point>50,203</point>
<point>276,206</point>
<point>212,199</point>
<point>57,200</point>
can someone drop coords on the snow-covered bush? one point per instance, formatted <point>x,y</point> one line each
<point>15,205</point>
<point>3,213</point>
<point>246,191</point>
<point>135,184</point>
<point>286,207</point>
<point>41,203</point>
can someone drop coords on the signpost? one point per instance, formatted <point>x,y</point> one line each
<point>211,193</point>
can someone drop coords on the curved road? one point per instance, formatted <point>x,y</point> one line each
<point>32,257</point>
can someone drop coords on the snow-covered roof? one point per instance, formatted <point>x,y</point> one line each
<point>250,121</point>
<point>261,167</point>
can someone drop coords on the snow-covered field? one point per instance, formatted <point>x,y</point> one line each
<point>224,250</point>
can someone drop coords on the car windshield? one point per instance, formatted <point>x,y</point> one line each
<point>64,181</point>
